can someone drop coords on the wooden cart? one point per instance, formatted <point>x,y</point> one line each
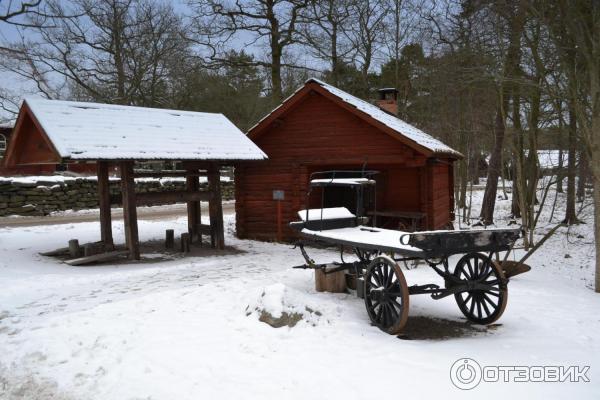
<point>477,281</point>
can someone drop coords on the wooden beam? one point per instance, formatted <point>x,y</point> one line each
<point>215,208</point>
<point>203,229</point>
<point>97,257</point>
<point>129,210</point>
<point>168,174</point>
<point>197,164</point>
<point>192,185</point>
<point>104,201</point>
<point>156,198</point>
<point>178,196</point>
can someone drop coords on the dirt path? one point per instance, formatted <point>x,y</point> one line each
<point>144,213</point>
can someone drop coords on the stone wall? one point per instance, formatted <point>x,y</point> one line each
<point>37,196</point>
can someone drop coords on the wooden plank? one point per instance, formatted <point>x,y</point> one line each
<point>63,251</point>
<point>193,206</point>
<point>106,235</point>
<point>168,174</point>
<point>176,196</point>
<point>240,195</point>
<point>204,229</point>
<point>129,209</point>
<point>97,257</point>
<point>215,208</point>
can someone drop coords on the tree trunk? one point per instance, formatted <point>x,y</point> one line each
<point>515,209</point>
<point>276,54</point>
<point>334,56</point>
<point>581,178</point>
<point>365,70</point>
<point>559,172</point>
<point>277,89</point>
<point>519,194</point>
<point>462,184</point>
<point>491,187</point>
<point>561,154</point>
<point>570,216</point>
<point>509,74</point>
<point>597,221</point>
<point>117,32</point>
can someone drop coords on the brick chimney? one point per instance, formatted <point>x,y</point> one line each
<point>388,100</point>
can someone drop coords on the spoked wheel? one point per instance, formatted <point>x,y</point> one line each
<point>386,295</point>
<point>482,306</point>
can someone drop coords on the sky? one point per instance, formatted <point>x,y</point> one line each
<point>15,84</point>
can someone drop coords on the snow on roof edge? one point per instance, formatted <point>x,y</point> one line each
<point>391,121</point>
<point>440,149</point>
<point>123,132</point>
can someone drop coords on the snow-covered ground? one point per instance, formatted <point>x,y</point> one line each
<point>189,329</point>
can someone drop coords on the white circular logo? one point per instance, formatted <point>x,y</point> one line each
<point>465,373</point>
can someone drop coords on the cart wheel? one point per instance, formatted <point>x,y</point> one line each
<point>481,306</point>
<point>386,295</point>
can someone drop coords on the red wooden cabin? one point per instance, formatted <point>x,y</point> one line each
<point>6,132</point>
<point>323,128</point>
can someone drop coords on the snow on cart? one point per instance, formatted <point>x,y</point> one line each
<point>477,281</point>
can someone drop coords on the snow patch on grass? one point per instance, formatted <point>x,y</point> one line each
<point>279,305</point>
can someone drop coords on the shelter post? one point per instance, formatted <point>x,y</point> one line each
<point>193,207</point>
<point>129,209</point>
<point>215,208</point>
<point>104,201</point>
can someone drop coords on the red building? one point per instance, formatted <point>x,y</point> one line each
<point>323,128</point>
<point>48,169</point>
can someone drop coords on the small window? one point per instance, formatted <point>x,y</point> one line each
<point>2,145</point>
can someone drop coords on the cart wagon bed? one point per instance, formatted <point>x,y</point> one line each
<point>477,282</point>
<point>339,226</point>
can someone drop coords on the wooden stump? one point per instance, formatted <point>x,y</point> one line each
<point>74,250</point>
<point>169,239</point>
<point>185,242</point>
<point>89,249</point>
<point>334,282</point>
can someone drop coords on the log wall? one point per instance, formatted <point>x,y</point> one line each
<point>316,135</point>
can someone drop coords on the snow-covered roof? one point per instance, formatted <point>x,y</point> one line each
<point>405,129</point>
<point>7,125</point>
<point>93,131</point>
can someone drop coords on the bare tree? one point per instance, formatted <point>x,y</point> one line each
<point>367,34</point>
<point>578,23</point>
<point>31,13</point>
<point>512,14</point>
<point>115,51</point>
<point>218,23</point>
<point>20,15</point>
<point>324,30</point>
<point>400,23</point>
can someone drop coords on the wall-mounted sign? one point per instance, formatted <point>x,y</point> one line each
<point>278,195</point>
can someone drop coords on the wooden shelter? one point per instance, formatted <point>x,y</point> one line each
<point>321,127</point>
<point>53,132</point>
